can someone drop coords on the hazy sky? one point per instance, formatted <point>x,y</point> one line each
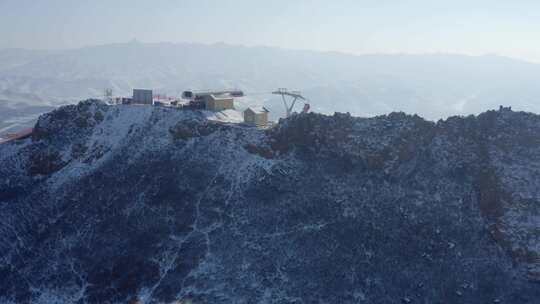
<point>504,27</point>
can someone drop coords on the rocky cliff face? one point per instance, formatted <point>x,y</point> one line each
<point>156,205</point>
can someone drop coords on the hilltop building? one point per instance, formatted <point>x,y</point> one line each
<point>216,104</point>
<point>257,116</point>
<point>212,100</point>
<point>142,96</point>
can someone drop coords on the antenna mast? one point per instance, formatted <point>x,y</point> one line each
<point>108,95</point>
<point>294,96</point>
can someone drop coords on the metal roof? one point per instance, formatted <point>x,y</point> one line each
<point>258,109</point>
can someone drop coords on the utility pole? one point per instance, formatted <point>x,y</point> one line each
<point>293,95</point>
<point>108,94</point>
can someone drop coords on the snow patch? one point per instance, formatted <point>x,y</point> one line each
<point>227,116</point>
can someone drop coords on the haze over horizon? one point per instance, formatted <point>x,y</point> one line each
<point>312,46</point>
<point>354,27</point>
<point>238,45</point>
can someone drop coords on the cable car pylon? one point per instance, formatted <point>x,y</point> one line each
<point>294,96</point>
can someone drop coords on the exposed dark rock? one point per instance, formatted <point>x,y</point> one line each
<point>194,128</point>
<point>80,118</point>
<point>45,162</point>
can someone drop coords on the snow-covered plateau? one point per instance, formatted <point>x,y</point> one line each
<point>140,204</point>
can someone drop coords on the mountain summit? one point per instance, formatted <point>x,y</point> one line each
<point>115,204</point>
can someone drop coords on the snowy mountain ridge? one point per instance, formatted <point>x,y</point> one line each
<point>156,205</point>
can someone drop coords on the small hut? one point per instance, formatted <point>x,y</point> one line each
<point>257,116</point>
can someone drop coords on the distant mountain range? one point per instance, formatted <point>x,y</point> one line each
<point>433,86</point>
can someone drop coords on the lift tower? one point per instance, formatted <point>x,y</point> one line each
<point>294,95</point>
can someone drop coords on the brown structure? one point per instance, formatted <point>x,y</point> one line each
<point>257,116</point>
<point>217,104</point>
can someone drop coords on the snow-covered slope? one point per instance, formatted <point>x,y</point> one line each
<point>230,116</point>
<point>159,205</point>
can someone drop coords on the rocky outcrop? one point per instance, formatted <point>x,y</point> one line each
<point>156,205</point>
<point>195,128</point>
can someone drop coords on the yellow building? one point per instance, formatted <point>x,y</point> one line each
<point>216,104</point>
<point>257,116</point>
